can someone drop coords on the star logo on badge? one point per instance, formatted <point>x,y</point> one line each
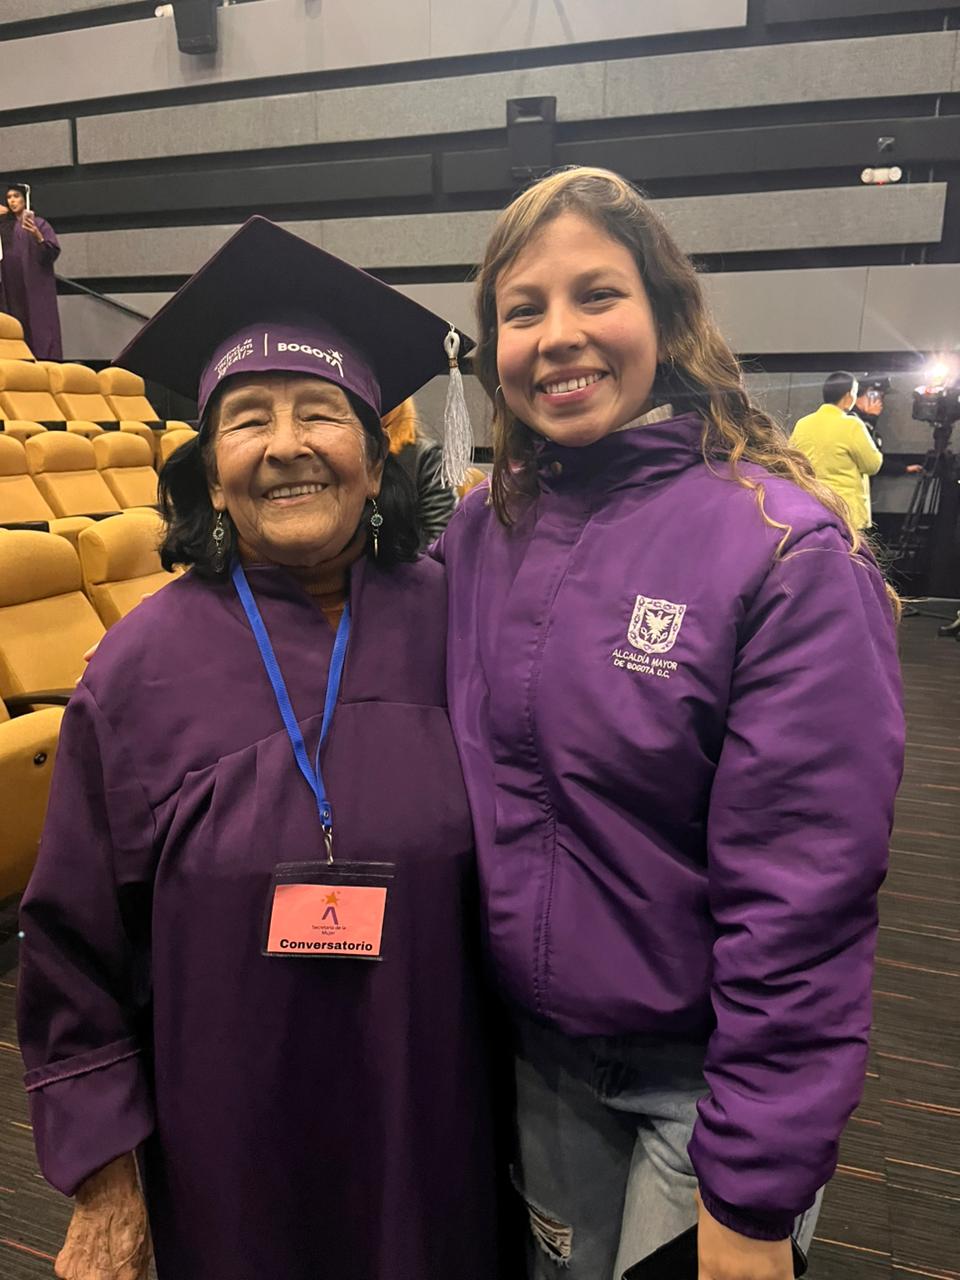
<point>332,900</point>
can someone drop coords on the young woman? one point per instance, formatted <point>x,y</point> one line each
<point>674,683</point>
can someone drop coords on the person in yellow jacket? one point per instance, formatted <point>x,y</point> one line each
<point>839,446</point>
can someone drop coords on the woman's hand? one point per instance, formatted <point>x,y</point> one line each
<point>108,1237</point>
<point>30,224</point>
<point>727,1255</point>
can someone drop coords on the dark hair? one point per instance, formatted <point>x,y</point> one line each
<point>17,186</point>
<point>837,386</point>
<point>189,515</point>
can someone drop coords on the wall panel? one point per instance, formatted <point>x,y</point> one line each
<point>509,24</point>
<point>815,71</point>
<point>44,145</point>
<point>31,10</point>
<point>287,37</point>
<point>661,84</point>
<point>702,224</point>
<point>903,314</point>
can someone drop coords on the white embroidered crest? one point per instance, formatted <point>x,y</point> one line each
<point>655,625</point>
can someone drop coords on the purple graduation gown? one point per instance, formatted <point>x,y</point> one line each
<point>29,288</point>
<point>297,1118</point>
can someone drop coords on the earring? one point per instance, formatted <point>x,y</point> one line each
<point>219,538</point>
<point>498,392</point>
<point>376,524</point>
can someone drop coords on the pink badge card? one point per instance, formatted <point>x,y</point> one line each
<point>331,911</point>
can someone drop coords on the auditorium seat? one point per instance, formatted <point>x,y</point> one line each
<point>64,467</point>
<point>12,345</point>
<point>146,434</point>
<point>126,395</point>
<point>28,747</point>
<point>173,438</point>
<point>120,562</point>
<point>21,431</point>
<point>89,430</point>
<point>21,501</point>
<point>126,463</point>
<point>46,622</point>
<point>25,394</point>
<point>77,392</point>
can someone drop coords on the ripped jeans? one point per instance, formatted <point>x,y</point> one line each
<point>602,1163</point>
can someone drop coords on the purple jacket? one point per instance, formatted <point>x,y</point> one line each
<point>682,753</point>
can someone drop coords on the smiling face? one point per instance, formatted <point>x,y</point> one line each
<point>576,335</point>
<point>292,467</point>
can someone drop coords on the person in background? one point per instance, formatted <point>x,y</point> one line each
<point>868,408</point>
<point>839,447</point>
<point>422,460</point>
<point>251,945</point>
<point>655,611</point>
<point>28,286</point>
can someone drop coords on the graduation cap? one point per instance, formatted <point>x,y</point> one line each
<point>268,301</point>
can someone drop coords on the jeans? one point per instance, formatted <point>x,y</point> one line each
<point>603,1125</point>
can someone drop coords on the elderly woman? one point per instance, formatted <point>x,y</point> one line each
<point>249,950</point>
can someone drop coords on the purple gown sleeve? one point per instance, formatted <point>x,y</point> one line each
<point>798,832</point>
<point>84,959</point>
<point>49,251</point>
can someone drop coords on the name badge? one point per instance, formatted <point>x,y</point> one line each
<point>330,911</point>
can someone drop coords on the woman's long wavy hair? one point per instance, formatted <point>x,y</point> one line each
<point>696,368</point>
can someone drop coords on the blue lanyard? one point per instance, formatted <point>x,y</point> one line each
<point>311,772</point>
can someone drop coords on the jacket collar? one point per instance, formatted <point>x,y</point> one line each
<point>642,452</point>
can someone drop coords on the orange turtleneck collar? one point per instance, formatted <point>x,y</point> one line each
<point>328,583</point>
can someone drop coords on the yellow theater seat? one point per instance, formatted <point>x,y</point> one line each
<point>77,392</point>
<point>25,393</point>
<point>64,468</point>
<point>20,499</point>
<point>126,395</point>
<point>18,430</point>
<point>146,434</point>
<point>46,622</point>
<point>120,562</point>
<point>126,463</point>
<point>12,345</point>
<point>28,747</point>
<point>89,430</point>
<point>171,440</point>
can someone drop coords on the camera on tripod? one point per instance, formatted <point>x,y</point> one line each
<point>938,400</point>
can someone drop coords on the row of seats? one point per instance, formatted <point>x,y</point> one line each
<point>46,391</point>
<point>43,395</point>
<point>68,482</point>
<point>56,601</point>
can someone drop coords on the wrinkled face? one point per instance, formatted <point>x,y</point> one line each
<point>15,202</point>
<point>577,340</point>
<point>292,467</point>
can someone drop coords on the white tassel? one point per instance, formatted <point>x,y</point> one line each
<point>457,427</point>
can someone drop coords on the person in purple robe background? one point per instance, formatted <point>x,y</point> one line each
<point>28,286</point>
<point>673,679</point>
<point>293,1115</point>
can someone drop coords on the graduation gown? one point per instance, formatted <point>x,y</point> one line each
<point>296,1117</point>
<point>28,287</point>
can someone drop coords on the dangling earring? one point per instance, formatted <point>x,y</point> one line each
<point>376,524</point>
<point>219,538</point>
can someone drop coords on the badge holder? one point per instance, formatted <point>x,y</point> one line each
<point>327,910</point>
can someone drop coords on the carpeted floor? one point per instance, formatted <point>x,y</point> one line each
<point>893,1210</point>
